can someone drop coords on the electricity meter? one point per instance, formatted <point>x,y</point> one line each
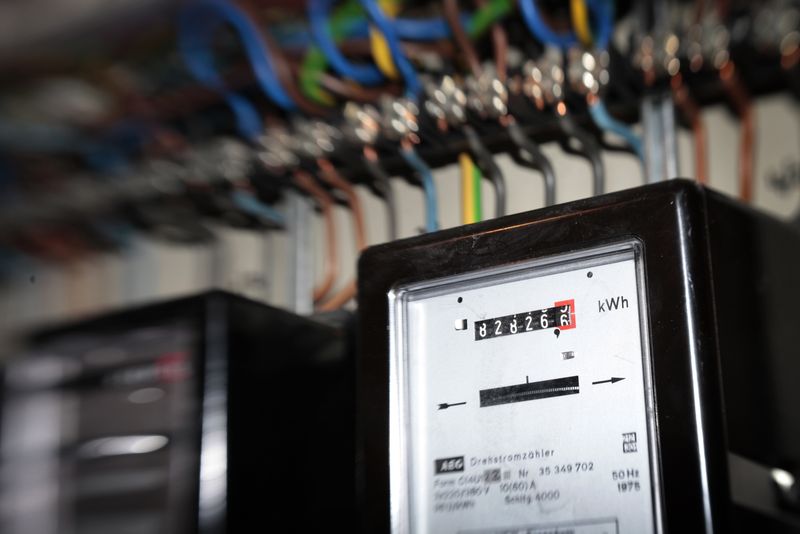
<point>562,370</point>
<point>521,390</point>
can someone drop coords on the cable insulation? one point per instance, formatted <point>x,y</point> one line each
<point>428,186</point>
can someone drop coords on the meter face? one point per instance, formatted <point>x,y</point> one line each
<point>521,400</point>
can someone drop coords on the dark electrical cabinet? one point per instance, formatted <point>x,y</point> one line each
<point>719,287</point>
<point>208,414</point>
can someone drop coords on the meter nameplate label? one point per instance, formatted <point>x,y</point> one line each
<point>533,418</point>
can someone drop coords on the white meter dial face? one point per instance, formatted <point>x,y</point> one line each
<point>522,401</point>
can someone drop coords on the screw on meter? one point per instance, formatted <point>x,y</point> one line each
<point>534,413</point>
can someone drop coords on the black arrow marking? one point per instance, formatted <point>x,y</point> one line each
<point>445,406</point>
<point>557,332</point>
<point>612,380</point>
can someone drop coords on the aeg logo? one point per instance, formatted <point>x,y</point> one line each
<point>449,465</point>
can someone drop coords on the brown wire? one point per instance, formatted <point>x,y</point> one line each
<point>739,97</point>
<point>280,62</point>
<point>500,45</point>
<point>414,50</point>
<point>331,176</point>
<point>691,111</point>
<point>453,17</point>
<point>285,73</point>
<point>356,92</point>
<point>305,182</point>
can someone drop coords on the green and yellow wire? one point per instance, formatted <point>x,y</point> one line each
<point>315,63</point>
<point>579,13</point>
<point>471,202</point>
<point>378,45</point>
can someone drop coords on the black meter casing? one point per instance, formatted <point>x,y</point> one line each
<point>721,282</point>
<point>251,409</point>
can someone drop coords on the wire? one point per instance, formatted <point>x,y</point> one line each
<point>467,191</point>
<point>588,149</point>
<point>602,9</point>
<point>489,168</point>
<point>354,26</point>
<point>343,25</point>
<point>318,12</point>
<point>603,119</point>
<point>740,99</point>
<point>315,63</point>
<point>580,22</point>
<point>312,69</point>
<point>691,111</point>
<point>331,176</point>
<point>477,188</point>
<point>500,43</point>
<point>384,26</point>
<point>285,73</point>
<point>489,14</point>
<point>384,188</point>
<point>539,28</point>
<point>382,55</point>
<point>355,92</point>
<point>462,39</point>
<point>305,182</point>
<point>198,23</point>
<point>248,203</point>
<point>597,109</point>
<point>537,160</point>
<point>428,185</point>
<point>380,47</point>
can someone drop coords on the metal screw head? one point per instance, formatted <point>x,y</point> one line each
<point>716,41</point>
<point>314,138</point>
<point>486,94</point>
<point>707,43</point>
<point>233,158</point>
<point>170,177</point>
<point>644,53</point>
<point>398,117</point>
<point>667,58</point>
<point>587,71</point>
<point>277,149</point>
<point>362,123</point>
<point>445,101</point>
<point>544,77</point>
<point>777,28</point>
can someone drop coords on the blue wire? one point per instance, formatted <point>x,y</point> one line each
<point>296,35</point>
<point>318,14</point>
<point>426,29</point>
<point>602,9</point>
<point>604,17</point>
<point>605,121</point>
<point>197,24</point>
<point>431,209</point>
<point>384,25</point>
<point>253,206</point>
<point>198,60</point>
<point>433,29</point>
<point>539,28</point>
